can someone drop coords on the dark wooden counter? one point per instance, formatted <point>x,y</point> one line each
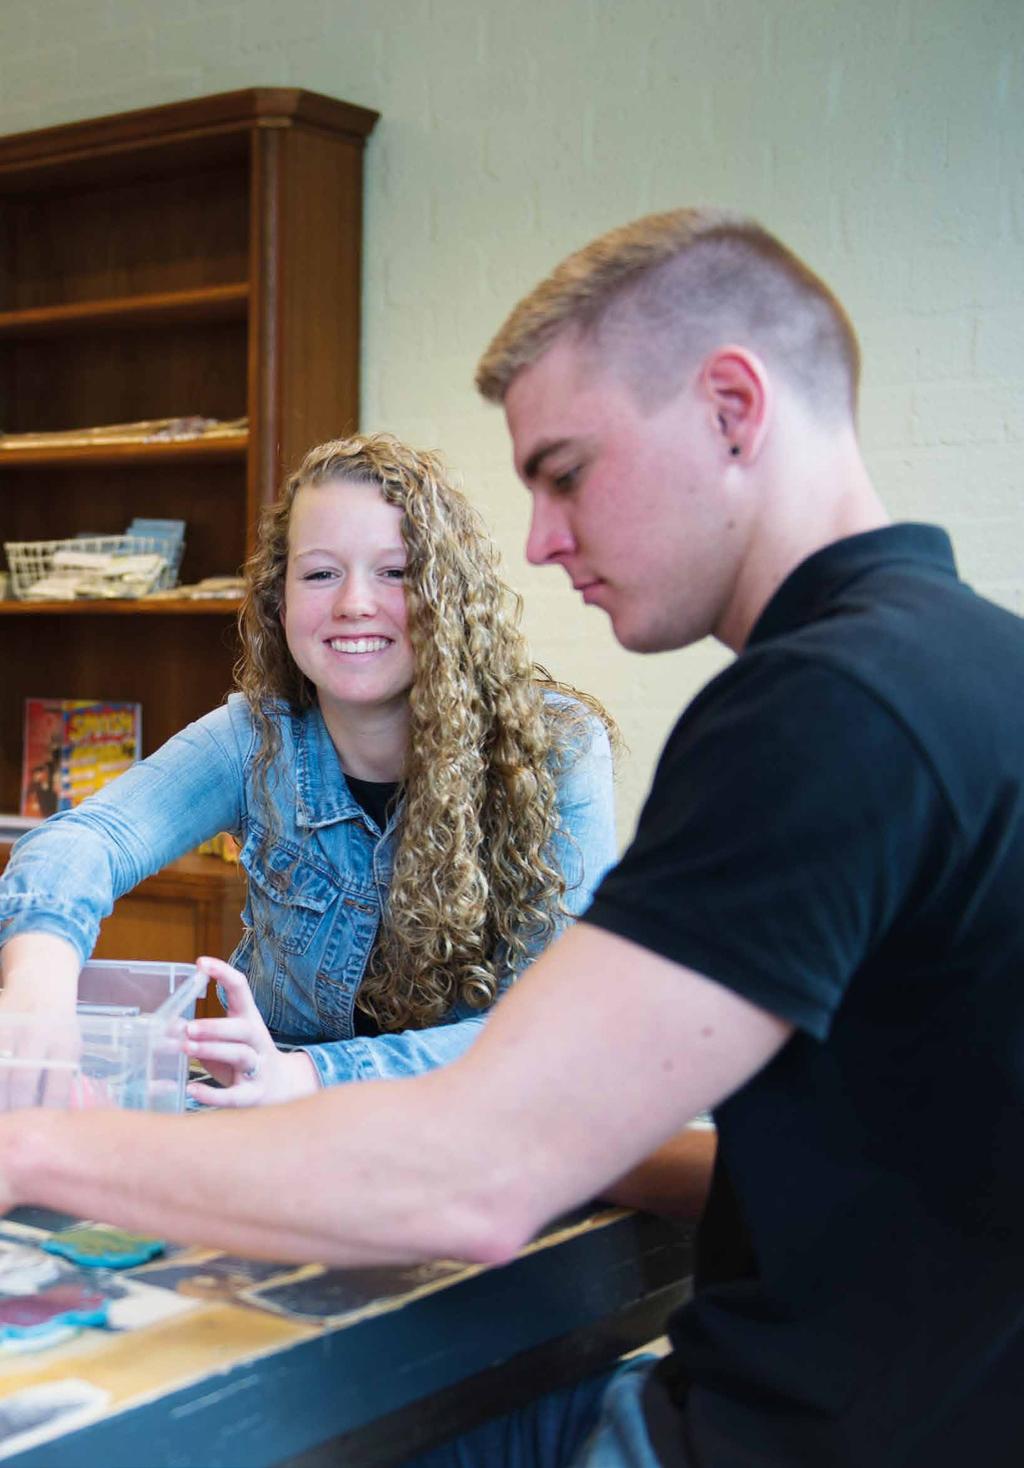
<point>313,1367</point>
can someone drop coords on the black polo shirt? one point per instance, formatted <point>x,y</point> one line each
<point>836,832</point>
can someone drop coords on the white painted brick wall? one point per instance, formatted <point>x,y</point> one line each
<point>884,140</point>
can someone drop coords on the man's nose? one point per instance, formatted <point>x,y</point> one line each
<point>550,538</point>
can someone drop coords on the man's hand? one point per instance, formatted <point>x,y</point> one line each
<point>39,1036</point>
<point>240,1053</point>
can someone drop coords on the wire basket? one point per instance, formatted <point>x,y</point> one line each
<point>30,560</point>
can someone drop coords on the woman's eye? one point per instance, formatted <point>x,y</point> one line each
<point>321,575</point>
<point>566,480</point>
<point>394,573</point>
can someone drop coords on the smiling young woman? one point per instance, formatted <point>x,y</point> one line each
<point>419,807</point>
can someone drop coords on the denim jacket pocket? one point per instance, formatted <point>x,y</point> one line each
<point>241,958</point>
<point>288,895</point>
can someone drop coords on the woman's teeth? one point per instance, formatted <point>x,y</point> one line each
<point>360,644</point>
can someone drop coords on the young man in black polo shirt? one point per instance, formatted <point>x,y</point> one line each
<point>835,834</point>
<point>816,931</point>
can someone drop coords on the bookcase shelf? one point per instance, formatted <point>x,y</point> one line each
<point>196,259</point>
<point>207,303</point>
<point>211,606</point>
<point>72,456</point>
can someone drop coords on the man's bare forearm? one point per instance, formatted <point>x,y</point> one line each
<point>275,1182</point>
<point>594,1060</point>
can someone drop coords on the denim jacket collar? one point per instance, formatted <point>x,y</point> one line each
<point>322,796</point>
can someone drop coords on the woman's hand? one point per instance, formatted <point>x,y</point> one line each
<point>239,1052</point>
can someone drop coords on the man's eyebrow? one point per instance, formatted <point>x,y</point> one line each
<point>540,453</point>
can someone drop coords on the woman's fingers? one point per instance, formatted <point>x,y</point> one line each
<point>245,1094</point>
<point>243,1060</point>
<point>233,1028</point>
<point>238,1049</point>
<point>232,981</point>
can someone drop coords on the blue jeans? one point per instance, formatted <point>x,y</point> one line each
<point>598,1423</point>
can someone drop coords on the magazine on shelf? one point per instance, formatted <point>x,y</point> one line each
<point>72,747</point>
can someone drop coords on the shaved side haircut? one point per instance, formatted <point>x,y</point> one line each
<point>652,299</point>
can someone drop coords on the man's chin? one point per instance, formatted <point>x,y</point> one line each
<point>642,639</point>
<point>632,638</point>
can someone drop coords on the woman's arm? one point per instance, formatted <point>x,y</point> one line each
<point>388,1057</point>
<point>40,972</point>
<point>40,983</point>
<point>584,845</point>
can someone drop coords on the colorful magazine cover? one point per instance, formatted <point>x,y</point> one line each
<point>71,747</point>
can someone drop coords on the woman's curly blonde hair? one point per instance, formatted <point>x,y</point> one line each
<point>474,887</point>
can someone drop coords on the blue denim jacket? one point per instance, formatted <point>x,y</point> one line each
<point>314,899</point>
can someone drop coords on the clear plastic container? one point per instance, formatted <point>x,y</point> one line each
<point>125,1050</point>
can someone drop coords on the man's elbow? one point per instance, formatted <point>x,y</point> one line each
<point>490,1230</point>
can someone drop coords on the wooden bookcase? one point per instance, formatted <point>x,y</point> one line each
<point>196,258</point>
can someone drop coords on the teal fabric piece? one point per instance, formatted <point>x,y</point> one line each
<point>55,1326</point>
<point>96,1247</point>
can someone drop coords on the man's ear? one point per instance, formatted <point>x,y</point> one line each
<point>738,393</point>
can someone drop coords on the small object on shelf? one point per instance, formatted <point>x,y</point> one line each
<point>170,534</point>
<point>222,845</point>
<point>92,566</point>
<point>72,747</point>
<point>91,574</point>
<point>195,426</point>
<point>210,588</point>
<point>148,430</point>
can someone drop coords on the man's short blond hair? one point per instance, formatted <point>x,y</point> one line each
<point>652,298</point>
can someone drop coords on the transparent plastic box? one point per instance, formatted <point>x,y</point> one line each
<point>125,1050</point>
